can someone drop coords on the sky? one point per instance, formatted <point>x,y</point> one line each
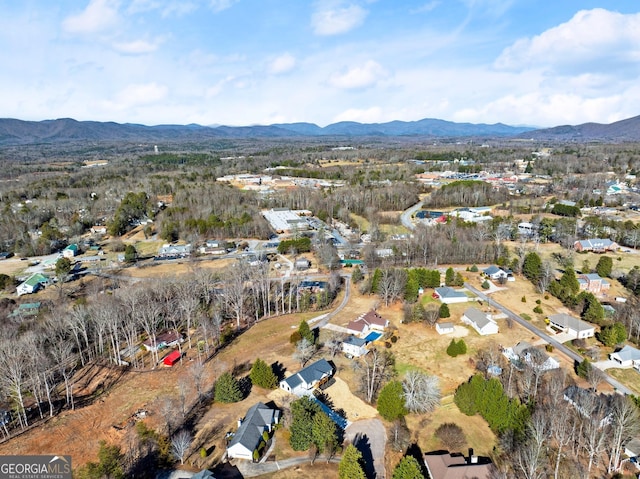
<point>245,62</point>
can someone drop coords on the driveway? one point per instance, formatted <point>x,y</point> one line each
<point>617,385</point>
<point>370,437</point>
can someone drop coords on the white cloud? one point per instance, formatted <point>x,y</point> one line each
<point>368,115</point>
<point>98,16</point>
<point>282,64</point>
<point>137,95</point>
<point>167,8</point>
<point>427,7</point>
<point>334,18</point>
<point>593,40</point>
<point>362,76</point>
<point>219,5</point>
<point>136,47</point>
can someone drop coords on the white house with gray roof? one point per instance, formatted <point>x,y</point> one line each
<point>307,379</point>
<point>449,295</point>
<point>628,357</point>
<point>480,321</point>
<point>258,420</point>
<point>572,326</point>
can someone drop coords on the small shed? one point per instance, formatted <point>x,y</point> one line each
<point>445,328</point>
<point>172,358</point>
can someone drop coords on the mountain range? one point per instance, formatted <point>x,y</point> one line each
<point>19,132</point>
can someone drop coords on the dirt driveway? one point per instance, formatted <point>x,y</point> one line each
<point>370,437</point>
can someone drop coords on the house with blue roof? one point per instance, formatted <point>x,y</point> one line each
<point>309,378</point>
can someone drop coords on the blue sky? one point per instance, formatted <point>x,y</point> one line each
<point>242,62</point>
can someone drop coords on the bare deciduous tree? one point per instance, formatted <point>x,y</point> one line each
<point>304,351</point>
<point>180,443</point>
<point>375,368</point>
<point>421,392</point>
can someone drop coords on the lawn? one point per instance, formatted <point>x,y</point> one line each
<point>392,229</point>
<point>629,377</point>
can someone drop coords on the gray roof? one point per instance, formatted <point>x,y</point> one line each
<point>477,316</point>
<point>258,417</point>
<point>628,353</point>
<point>570,322</point>
<point>353,340</point>
<point>311,374</point>
<point>445,325</point>
<point>491,270</point>
<point>521,347</point>
<point>447,292</point>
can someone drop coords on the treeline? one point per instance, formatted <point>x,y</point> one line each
<point>42,354</point>
<point>467,193</point>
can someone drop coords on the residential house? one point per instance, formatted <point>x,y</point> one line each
<point>573,326</point>
<point>480,321</point>
<point>32,284</point>
<point>627,357</point>
<point>632,447</point>
<point>525,353</point>
<point>593,283</point>
<point>99,230</point>
<point>307,379</point>
<point>494,273</point>
<point>449,295</point>
<point>312,286</point>
<point>585,401</point>
<point>445,328</point>
<point>204,474</point>
<point>213,247</point>
<point>169,251</point>
<point>444,465</point>
<point>354,346</point>
<point>366,322</point>
<point>25,309</point>
<point>167,339</point>
<point>259,419</point>
<point>302,264</point>
<point>597,245</point>
<point>70,251</point>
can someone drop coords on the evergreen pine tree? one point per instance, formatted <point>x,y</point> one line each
<point>350,466</point>
<point>227,389</point>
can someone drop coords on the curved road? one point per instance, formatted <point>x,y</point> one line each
<point>405,217</point>
<point>320,321</point>
<point>617,385</point>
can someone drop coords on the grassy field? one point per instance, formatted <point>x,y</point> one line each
<point>391,229</point>
<point>629,377</point>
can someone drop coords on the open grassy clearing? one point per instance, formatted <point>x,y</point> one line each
<point>629,377</point>
<point>393,229</point>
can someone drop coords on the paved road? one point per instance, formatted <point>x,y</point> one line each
<point>405,217</point>
<point>320,321</point>
<point>549,339</point>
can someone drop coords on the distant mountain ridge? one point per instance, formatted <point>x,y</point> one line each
<point>19,132</point>
<point>623,130</point>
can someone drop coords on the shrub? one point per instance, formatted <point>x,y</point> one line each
<point>394,339</point>
<point>473,269</point>
<point>295,337</point>
<point>444,311</point>
<point>485,284</point>
<point>256,455</point>
<point>549,348</point>
<point>452,349</point>
<point>451,436</point>
<point>524,299</point>
<point>546,296</point>
<point>203,452</point>
<point>525,316</point>
<point>538,301</point>
<point>537,310</point>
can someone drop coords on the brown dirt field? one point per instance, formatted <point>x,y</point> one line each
<point>307,471</point>
<point>13,266</point>
<point>173,268</point>
<point>342,398</point>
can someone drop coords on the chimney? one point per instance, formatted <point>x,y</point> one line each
<point>469,461</point>
<point>239,422</point>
